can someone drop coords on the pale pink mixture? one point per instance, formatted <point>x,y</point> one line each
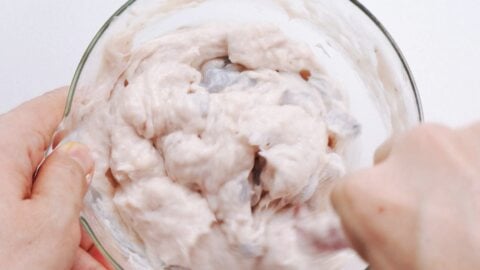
<point>217,146</point>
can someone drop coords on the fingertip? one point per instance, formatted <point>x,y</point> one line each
<point>80,154</point>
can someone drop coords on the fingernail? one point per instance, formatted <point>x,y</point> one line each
<point>81,154</point>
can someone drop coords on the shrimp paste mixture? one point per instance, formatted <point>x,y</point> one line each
<point>216,148</point>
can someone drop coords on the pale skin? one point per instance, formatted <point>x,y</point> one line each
<point>39,216</point>
<point>418,207</point>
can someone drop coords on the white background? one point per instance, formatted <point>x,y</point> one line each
<point>41,43</point>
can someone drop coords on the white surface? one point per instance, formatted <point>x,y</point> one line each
<point>42,42</point>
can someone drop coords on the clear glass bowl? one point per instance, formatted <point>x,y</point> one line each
<point>382,92</point>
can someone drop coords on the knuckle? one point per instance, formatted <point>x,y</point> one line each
<point>336,195</point>
<point>431,135</point>
<point>355,184</point>
<point>434,130</point>
<point>351,190</point>
<point>55,94</point>
<point>347,190</point>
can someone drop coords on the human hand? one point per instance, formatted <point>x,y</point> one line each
<point>39,226</point>
<point>419,206</point>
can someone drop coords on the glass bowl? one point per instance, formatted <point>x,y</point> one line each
<point>347,38</point>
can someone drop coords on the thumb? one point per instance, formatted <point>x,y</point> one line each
<point>63,178</point>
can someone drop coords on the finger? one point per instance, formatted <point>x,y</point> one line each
<point>349,200</point>
<point>84,261</point>
<point>86,242</point>
<point>467,139</point>
<point>58,137</point>
<point>26,133</point>
<point>98,256</point>
<point>63,179</point>
<point>471,134</point>
<point>474,128</point>
<point>383,151</point>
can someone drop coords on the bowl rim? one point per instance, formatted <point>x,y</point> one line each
<point>366,11</point>
<point>128,3</point>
